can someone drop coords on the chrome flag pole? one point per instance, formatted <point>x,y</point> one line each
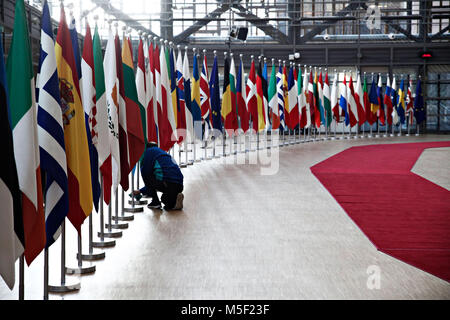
<point>116,224</point>
<point>102,243</point>
<point>133,201</point>
<point>80,269</point>
<point>63,287</point>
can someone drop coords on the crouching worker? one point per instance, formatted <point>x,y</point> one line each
<point>161,173</point>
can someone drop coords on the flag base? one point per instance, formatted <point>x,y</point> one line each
<point>65,288</point>
<point>123,218</point>
<point>110,234</point>
<point>417,134</point>
<point>407,134</point>
<point>133,210</point>
<point>355,137</point>
<point>102,244</point>
<point>183,165</point>
<point>138,202</point>
<point>80,270</point>
<point>116,225</point>
<point>93,256</point>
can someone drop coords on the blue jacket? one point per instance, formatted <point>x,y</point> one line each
<point>160,166</point>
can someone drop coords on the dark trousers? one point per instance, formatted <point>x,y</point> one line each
<point>169,191</point>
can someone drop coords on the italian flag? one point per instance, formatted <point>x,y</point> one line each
<point>24,128</point>
<point>103,146</point>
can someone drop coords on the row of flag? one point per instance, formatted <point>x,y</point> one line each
<point>76,132</point>
<point>287,99</point>
<point>77,126</point>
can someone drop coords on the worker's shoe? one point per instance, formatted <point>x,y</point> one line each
<point>155,204</point>
<point>179,202</point>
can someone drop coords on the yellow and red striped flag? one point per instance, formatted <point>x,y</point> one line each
<point>77,151</point>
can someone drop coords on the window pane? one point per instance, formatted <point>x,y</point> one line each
<point>432,107</point>
<point>431,122</point>
<point>432,90</point>
<point>445,90</point>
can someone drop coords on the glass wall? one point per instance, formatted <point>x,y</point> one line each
<point>438,98</point>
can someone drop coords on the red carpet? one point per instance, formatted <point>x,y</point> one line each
<point>403,214</point>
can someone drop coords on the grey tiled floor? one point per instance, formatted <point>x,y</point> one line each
<point>243,235</point>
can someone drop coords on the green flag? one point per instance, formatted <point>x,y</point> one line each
<point>100,128</point>
<point>25,137</point>
<point>273,99</point>
<point>326,100</point>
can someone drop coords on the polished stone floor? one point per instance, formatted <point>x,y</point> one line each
<point>248,235</point>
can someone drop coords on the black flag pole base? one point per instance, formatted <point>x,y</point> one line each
<point>138,202</point>
<point>123,218</point>
<point>80,270</point>
<point>133,210</point>
<point>64,288</point>
<point>116,225</point>
<point>92,256</point>
<point>110,234</point>
<point>103,244</point>
<point>183,165</point>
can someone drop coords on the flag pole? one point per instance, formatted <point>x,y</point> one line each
<point>139,202</point>
<point>349,110</point>
<point>110,232</point>
<point>335,120</point>
<point>393,126</point>
<point>63,287</point>
<point>371,125</point>
<point>122,216</point>
<point>409,113</point>
<point>320,126</point>
<point>386,115</point>
<point>362,126</point>
<point>210,128</point>
<point>133,208</point>
<point>45,273</point>
<point>400,123</point>
<point>91,256</point>
<point>417,124</point>
<point>102,243</point>
<point>325,111</point>
<point>80,269</point>
<point>378,118</point>
<point>116,224</point>
<point>343,122</point>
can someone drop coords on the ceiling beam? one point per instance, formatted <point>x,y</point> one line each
<point>261,24</point>
<point>119,15</point>
<point>200,23</point>
<point>440,33</point>
<point>398,28</point>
